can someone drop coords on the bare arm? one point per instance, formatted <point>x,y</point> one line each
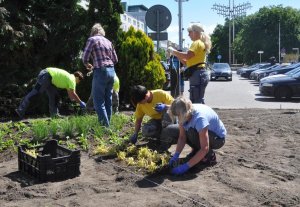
<point>184,56</point>
<point>138,123</point>
<point>181,139</point>
<point>73,95</point>
<point>204,143</point>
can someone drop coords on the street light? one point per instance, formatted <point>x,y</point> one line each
<point>231,12</point>
<point>260,52</point>
<point>180,21</point>
<point>297,49</point>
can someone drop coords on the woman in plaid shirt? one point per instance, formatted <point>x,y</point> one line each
<point>103,55</point>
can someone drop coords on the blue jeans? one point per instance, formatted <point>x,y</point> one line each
<point>43,85</point>
<point>198,83</point>
<point>102,87</point>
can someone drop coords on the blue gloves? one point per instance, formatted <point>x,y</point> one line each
<point>82,105</point>
<point>174,159</point>
<point>181,169</point>
<point>160,107</point>
<point>133,138</point>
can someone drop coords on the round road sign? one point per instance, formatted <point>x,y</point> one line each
<point>158,18</point>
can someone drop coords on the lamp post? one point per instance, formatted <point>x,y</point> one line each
<point>180,21</point>
<point>260,52</point>
<point>297,49</point>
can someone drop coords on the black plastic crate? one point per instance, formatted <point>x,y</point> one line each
<point>53,162</point>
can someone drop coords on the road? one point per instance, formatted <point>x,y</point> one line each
<point>240,93</point>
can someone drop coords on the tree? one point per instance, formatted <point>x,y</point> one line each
<point>35,34</point>
<point>138,63</point>
<point>260,32</point>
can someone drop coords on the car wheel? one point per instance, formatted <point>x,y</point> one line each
<point>283,92</point>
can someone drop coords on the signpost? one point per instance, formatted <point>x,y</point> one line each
<point>158,18</point>
<point>260,52</point>
<point>219,57</point>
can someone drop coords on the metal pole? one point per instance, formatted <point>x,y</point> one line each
<point>233,16</point>
<point>157,29</point>
<point>229,51</point>
<point>279,58</point>
<point>259,57</point>
<point>180,23</point>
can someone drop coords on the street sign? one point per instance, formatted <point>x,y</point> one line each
<point>158,18</point>
<point>219,57</point>
<point>162,35</point>
<point>260,52</point>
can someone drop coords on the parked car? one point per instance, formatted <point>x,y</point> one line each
<point>291,72</point>
<point>281,70</point>
<point>254,74</point>
<point>221,70</point>
<point>282,87</point>
<point>246,73</point>
<point>240,70</point>
<point>167,84</point>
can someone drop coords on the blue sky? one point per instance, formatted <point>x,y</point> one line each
<point>200,11</point>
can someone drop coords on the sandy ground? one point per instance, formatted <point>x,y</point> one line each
<point>258,166</point>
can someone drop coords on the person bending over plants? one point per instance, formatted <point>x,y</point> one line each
<point>49,80</point>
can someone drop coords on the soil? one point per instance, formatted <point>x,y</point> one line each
<point>259,165</point>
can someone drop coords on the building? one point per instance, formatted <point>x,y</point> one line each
<point>134,16</point>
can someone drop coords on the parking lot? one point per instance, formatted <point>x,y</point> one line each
<point>241,93</point>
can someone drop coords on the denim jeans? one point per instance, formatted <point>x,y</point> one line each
<point>43,85</point>
<point>198,83</point>
<point>102,87</point>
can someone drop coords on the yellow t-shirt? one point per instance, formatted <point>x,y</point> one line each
<point>198,48</point>
<point>159,96</point>
<point>62,79</point>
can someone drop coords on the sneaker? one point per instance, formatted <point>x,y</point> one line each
<point>19,113</point>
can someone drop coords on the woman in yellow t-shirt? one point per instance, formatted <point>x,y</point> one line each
<point>195,58</point>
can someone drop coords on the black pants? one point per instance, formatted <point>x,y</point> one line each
<point>215,142</point>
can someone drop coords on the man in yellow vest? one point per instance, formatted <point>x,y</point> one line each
<point>48,81</point>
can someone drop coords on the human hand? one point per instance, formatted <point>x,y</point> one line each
<point>171,50</point>
<point>160,107</point>
<point>181,169</point>
<point>133,138</point>
<point>89,67</point>
<point>82,104</point>
<point>174,159</point>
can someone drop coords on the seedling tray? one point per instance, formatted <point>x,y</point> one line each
<point>53,162</point>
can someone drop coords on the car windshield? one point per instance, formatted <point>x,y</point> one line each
<point>221,66</point>
<point>291,72</point>
<point>296,75</point>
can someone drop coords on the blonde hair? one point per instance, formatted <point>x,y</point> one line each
<point>182,108</point>
<point>97,29</point>
<point>205,38</point>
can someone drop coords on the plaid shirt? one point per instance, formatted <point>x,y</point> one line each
<point>101,50</point>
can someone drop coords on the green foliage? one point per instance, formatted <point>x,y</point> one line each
<point>259,32</point>
<point>138,63</point>
<point>162,53</point>
<point>35,34</point>
<point>40,130</point>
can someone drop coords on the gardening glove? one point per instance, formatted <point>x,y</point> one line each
<point>160,107</point>
<point>181,169</point>
<point>82,105</point>
<point>174,159</point>
<point>133,138</point>
<point>171,50</point>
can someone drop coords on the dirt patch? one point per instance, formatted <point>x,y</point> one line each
<point>258,166</point>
